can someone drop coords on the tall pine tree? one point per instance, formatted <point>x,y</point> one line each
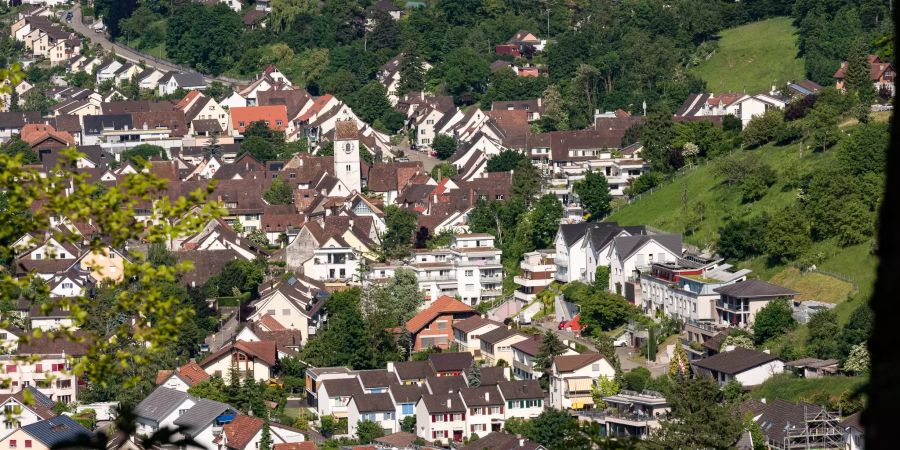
<point>412,71</point>
<point>857,78</point>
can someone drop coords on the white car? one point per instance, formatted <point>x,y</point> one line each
<point>621,341</point>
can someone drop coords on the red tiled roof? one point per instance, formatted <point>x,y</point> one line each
<point>269,322</point>
<point>183,103</point>
<point>306,445</point>
<point>316,107</point>
<point>242,117</point>
<point>443,305</point>
<point>192,373</point>
<point>240,431</point>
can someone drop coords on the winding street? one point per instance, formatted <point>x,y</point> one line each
<point>131,55</point>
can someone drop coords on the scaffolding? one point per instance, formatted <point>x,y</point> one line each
<point>822,430</point>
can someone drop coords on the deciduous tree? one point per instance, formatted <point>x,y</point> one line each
<point>593,191</point>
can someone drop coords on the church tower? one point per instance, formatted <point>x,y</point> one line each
<point>346,154</point>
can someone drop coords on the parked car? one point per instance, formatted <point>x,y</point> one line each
<point>562,324</point>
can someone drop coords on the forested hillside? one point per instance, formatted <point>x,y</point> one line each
<point>602,54</point>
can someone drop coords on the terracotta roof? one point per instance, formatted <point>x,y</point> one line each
<point>399,439</point>
<point>571,363</point>
<point>443,305</point>
<point>271,323</point>
<point>242,117</point>
<point>501,441</point>
<point>240,431</point>
<point>192,373</point>
<point>306,445</point>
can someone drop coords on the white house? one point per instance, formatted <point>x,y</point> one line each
<point>255,360</point>
<point>524,399</point>
<point>749,367</point>
<point>161,408</point>
<point>25,412</point>
<point>466,332</point>
<point>572,378</point>
<point>629,256</point>
<point>334,396</point>
<point>486,410</point>
<point>441,418</point>
<point>377,408</point>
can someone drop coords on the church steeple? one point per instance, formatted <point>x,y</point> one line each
<point>346,154</point>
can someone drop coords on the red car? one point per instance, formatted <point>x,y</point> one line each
<point>562,324</point>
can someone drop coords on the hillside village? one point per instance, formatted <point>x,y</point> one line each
<point>264,264</point>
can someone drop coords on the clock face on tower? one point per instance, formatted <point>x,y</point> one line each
<point>348,148</point>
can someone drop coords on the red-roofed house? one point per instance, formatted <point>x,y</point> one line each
<point>274,116</point>
<point>881,73</point>
<point>250,359</point>
<point>182,378</point>
<point>433,326</point>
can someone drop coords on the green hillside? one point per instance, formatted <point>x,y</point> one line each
<point>663,209</point>
<point>753,57</point>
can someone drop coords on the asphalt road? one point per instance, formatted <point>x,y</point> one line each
<point>414,155</point>
<point>126,53</point>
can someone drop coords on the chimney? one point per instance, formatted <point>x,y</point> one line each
<point>487,396</point>
<point>449,403</point>
<point>521,442</point>
<point>390,366</point>
<point>767,351</point>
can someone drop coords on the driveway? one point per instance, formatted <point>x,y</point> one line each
<point>414,155</point>
<point>131,55</point>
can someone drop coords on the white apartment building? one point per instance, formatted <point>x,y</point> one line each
<point>537,271</point>
<point>47,368</point>
<point>686,289</point>
<point>470,269</point>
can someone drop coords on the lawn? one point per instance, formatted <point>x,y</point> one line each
<point>791,388</point>
<point>754,57</point>
<point>663,210</point>
<point>814,285</point>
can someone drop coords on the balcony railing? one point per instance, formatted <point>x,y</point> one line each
<point>447,277</point>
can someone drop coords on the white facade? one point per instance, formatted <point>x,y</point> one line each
<point>222,366</point>
<point>572,389</point>
<point>623,267</point>
<point>49,374</point>
<point>440,426</point>
<point>470,269</point>
<point>346,164</point>
<point>387,420</point>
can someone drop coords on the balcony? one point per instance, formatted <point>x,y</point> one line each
<point>445,277</point>
<point>530,282</point>
<point>491,292</point>
<point>562,260</point>
<point>527,298</point>
<point>631,419</point>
